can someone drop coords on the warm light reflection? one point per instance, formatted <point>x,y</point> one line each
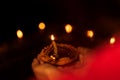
<point>19,34</point>
<point>112,40</point>
<point>41,26</point>
<point>52,37</point>
<point>52,57</point>
<point>90,33</point>
<point>68,28</point>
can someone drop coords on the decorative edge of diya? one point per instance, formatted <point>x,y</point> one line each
<point>72,55</point>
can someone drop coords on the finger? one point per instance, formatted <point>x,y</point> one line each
<point>35,62</point>
<point>46,72</point>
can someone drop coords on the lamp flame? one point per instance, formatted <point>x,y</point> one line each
<point>52,37</point>
<point>68,28</point>
<point>112,40</point>
<point>41,26</point>
<point>19,34</point>
<point>90,33</point>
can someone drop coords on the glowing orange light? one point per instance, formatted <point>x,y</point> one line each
<point>53,57</point>
<point>19,34</point>
<point>90,33</point>
<point>41,26</point>
<point>52,37</point>
<point>68,28</point>
<point>112,40</point>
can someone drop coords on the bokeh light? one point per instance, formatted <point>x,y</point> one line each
<point>68,28</point>
<point>112,40</point>
<point>19,34</point>
<point>90,33</point>
<point>41,26</point>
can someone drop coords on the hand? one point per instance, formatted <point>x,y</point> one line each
<point>45,71</point>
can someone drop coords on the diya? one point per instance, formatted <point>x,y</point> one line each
<point>66,55</point>
<point>58,54</point>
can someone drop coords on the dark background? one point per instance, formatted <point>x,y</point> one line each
<point>102,16</point>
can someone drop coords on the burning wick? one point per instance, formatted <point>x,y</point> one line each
<point>54,46</point>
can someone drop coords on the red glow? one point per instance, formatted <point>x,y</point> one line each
<point>105,65</point>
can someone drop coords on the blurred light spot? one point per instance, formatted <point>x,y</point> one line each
<point>41,26</point>
<point>19,34</point>
<point>90,33</point>
<point>68,28</point>
<point>112,40</point>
